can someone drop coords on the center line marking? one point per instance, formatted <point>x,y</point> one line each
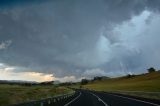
<point>99,99</point>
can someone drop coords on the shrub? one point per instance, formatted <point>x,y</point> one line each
<point>150,70</point>
<point>84,81</point>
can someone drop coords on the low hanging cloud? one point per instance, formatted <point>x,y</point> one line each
<point>5,44</point>
<point>71,38</point>
<point>67,79</point>
<point>9,73</point>
<point>26,76</point>
<point>90,73</point>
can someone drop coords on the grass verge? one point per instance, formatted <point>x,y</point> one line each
<point>141,84</point>
<point>11,94</point>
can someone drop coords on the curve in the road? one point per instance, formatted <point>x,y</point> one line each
<point>94,98</point>
<point>88,99</point>
<point>118,100</point>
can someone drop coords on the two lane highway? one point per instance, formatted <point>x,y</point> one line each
<point>86,98</point>
<point>89,98</point>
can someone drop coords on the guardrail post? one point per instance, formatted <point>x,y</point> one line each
<point>49,102</point>
<point>41,103</point>
<point>54,100</point>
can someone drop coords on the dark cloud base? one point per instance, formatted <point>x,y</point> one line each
<point>64,36</point>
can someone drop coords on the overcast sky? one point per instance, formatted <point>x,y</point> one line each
<point>68,40</point>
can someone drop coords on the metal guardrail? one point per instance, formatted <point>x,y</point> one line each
<point>56,100</point>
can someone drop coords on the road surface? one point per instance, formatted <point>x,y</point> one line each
<point>89,98</point>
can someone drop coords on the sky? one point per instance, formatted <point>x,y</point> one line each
<point>68,40</point>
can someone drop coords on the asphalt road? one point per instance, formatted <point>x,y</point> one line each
<point>89,98</point>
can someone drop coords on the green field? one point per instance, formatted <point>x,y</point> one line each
<point>11,94</point>
<point>145,85</point>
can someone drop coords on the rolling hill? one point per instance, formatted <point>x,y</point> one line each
<point>145,85</point>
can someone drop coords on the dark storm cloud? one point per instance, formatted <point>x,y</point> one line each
<point>7,3</point>
<point>63,36</point>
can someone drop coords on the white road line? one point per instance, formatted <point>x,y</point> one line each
<point>73,100</point>
<point>100,99</point>
<point>135,91</point>
<point>134,99</point>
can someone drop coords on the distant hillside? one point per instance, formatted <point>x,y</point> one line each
<point>144,82</point>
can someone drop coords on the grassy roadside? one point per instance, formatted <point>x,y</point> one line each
<point>145,83</point>
<point>11,94</point>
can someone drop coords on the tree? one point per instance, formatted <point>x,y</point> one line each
<point>97,78</point>
<point>84,81</point>
<point>150,70</point>
<point>129,76</point>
